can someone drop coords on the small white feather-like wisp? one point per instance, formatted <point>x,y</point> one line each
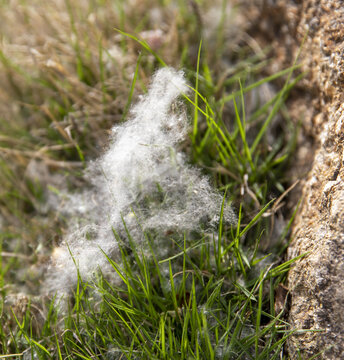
<point>142,180</point>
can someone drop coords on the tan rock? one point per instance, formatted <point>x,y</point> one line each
<point>317,281</point>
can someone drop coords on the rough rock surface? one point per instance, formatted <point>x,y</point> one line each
<point>317,281</point>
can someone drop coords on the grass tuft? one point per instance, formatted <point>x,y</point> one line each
<point>208,293</point>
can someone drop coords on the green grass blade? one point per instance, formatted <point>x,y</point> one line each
<point>132,88</point>
<point>143,44</point>
<point>195,122</point>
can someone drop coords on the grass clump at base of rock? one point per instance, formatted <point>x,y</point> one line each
<point>212,294</point>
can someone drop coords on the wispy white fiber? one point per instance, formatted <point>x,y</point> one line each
<point>142,180</point>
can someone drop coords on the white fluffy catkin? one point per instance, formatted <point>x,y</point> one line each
<point>142,178</point>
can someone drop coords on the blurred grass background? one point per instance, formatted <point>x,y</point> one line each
<point>66,75</point>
